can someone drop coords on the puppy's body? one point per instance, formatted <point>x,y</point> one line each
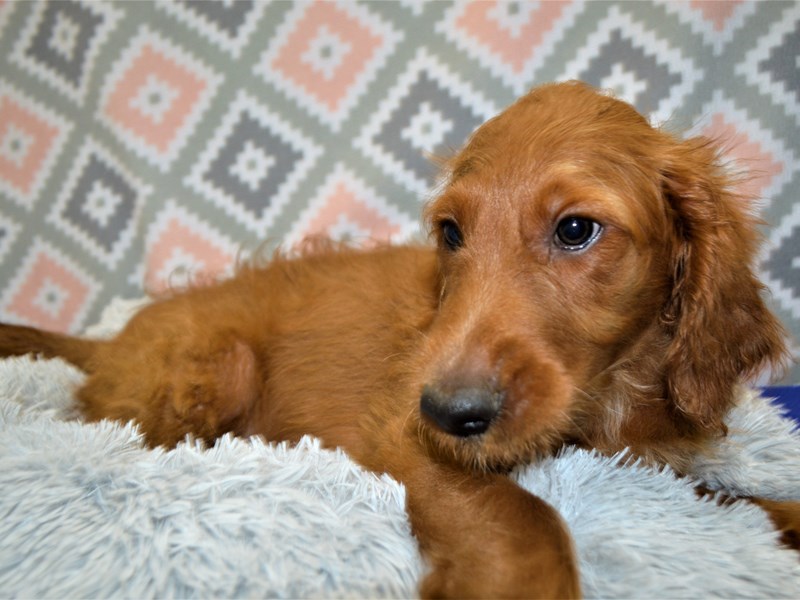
<point>326,345</point>
<point>262,354</point>
<point>591,284</point>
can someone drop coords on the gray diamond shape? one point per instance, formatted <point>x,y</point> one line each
<point>106,234</point>
<point>426,90</point>
<point>70,68</point>
<point>221,170</point>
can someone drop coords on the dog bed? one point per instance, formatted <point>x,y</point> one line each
<point>87,511</point>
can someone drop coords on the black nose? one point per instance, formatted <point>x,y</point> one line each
<point>464,412</point>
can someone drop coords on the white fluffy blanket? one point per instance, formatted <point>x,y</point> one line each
<point>86,511</point>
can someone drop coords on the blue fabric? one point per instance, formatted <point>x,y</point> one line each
<point>788,396</point>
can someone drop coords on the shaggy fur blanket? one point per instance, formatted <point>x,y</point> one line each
<point>87,511</point>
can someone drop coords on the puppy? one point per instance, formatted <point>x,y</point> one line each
<point>590,283</point>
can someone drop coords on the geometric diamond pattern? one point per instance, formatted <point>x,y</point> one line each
<point>511,39</point>
<point>49,290</point>
<point>31,137</point>
<point>252,164</point>
<point>61,43</point>
<point>324,55</point>
<point>624,56</point>
<point>99,204</point>
<point>429,112</point>
<point>182,249</point>
<point>155,96</point>
<point>143,144</point>
<point>229,25</point>
<point>766,162</point>
<point>346,209</point>
<point>772,65</point>
<point>717,22</point>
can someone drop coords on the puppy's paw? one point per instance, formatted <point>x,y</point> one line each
<point>502,581</point>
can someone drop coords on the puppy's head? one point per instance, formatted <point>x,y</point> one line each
<point>596,281</point>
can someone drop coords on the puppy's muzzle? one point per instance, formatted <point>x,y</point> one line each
<point>463,412</point>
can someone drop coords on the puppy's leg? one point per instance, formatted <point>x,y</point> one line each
<point>484,536</point>
<point>175,371</point>
<point>489,538</point>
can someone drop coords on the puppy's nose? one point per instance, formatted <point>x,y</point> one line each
<point>464,412</point>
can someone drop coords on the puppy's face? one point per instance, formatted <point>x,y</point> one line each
<point>560,254</point>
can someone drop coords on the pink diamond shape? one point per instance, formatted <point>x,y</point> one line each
<point>186,86</point>
<point>477,23</point>
<point>344,203</point>
<point>325,18</point>
<point>22,174</point>
<point>180,243</point>
<point>46,274</point>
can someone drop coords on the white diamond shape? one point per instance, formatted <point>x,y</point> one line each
<point>427,128</point>
<point>326,53</point>
<point>101,203</point>
<point>154,98</point>
<point>332,117</point>
<point>64,36</point>
<point>15,144</point>
<point>50,298</point>
<point>252,165</point>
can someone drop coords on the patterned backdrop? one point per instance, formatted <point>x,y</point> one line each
<point>144,141</point>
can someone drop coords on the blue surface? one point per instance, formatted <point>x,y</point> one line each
<point>788,396</point>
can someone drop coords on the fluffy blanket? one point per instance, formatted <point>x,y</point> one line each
<point>87,511</point>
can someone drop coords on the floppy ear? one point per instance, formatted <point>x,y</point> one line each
<point>721,331</point>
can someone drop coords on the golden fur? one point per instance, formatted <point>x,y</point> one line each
<point>448,365</point>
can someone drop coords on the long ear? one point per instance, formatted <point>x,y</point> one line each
<point>721,330</point>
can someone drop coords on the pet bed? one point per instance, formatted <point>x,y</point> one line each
<point>87,511</point>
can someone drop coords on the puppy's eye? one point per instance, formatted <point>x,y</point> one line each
<point>576,233</point>
<point>451,235</point>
